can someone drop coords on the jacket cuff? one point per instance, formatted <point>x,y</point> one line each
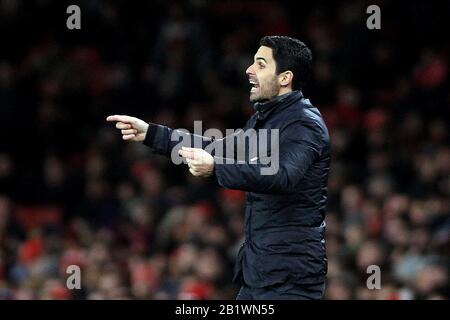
<point>149,139</point>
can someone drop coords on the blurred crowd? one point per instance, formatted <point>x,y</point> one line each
<point>73,193</point>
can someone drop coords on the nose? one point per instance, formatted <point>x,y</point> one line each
<point>249,70</point>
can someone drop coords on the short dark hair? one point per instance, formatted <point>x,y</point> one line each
<point>290,54</point>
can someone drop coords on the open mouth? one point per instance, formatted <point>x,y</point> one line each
<point>254,85</point>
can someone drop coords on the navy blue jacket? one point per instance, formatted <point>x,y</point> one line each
<point>285,211</point>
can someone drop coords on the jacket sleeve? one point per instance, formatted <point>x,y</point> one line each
<point>301,145</point>
<point>163,140</point>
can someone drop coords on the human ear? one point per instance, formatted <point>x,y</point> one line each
<point>285,78</point>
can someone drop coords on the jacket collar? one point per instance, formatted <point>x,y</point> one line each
<point>263,109</point>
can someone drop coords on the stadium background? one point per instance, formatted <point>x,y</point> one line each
<point>72,192</point>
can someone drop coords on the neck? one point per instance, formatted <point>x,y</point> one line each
<point>284,90</point>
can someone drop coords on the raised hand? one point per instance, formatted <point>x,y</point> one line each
<point>132,128</point>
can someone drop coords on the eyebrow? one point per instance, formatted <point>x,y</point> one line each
<point>261,58</point>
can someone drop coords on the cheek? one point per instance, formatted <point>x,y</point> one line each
<point>269,82</point>
<point>266,77</point>
<point>263,78</point>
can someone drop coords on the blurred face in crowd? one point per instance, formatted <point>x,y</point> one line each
<point>266,84</point>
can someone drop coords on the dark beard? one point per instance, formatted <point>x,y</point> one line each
<point>270,92</point>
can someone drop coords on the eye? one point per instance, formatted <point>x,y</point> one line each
<point>261,65</point>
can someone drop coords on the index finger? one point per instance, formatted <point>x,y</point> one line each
<point>120,118</point>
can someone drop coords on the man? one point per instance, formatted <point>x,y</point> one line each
<point>283,256</point>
